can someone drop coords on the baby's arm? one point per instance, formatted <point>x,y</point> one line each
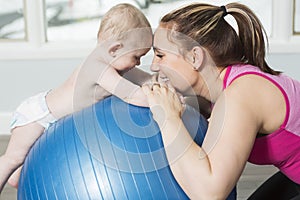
<point>98,69</point>
<point>129,92</point>
<point>138,76</point>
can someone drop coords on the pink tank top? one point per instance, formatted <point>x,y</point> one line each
<point>282,147</point>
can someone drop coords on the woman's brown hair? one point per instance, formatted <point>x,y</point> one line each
<point>206,25</point>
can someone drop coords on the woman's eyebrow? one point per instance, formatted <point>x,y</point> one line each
<point>156,49</point>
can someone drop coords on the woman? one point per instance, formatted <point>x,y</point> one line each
<point>254,108</point>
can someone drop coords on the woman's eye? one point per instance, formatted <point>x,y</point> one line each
<point>159,55</point>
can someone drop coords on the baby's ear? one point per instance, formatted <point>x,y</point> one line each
<point>114,47</point>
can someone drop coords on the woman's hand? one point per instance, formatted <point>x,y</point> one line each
<point>164,102</point>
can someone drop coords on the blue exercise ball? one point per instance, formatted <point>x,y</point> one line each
<point>111,150</point>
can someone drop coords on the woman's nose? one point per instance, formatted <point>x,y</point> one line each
<point>154,66</point>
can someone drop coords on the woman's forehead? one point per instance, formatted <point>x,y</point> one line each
<point>161,40</point>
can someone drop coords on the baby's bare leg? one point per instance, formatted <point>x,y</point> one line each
<point>14,178</point>
<point>22,138</point>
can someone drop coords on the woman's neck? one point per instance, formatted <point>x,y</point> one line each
<point>210,84</point>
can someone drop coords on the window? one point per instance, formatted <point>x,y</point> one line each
<point>296,18</point>
<point>72,20</point>
<point>68,28</point>
<point>79,19</point>
<point>12,21</point>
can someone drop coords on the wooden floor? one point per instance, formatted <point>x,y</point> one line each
<point>252,177</point>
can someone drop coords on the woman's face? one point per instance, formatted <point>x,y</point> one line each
<point>171,65</point>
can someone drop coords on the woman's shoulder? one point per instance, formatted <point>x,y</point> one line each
<point>244,69</point>
<point>235,71</point>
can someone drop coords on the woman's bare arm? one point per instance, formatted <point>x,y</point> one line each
<point>201,170</point>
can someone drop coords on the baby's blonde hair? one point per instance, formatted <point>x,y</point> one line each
<point>120,19</point>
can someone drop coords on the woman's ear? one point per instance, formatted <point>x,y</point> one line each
<point>198,57</point>
<point>114,48</point>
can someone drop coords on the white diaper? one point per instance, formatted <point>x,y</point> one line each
<point>33,109</point>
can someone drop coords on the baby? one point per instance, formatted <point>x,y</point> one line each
<point>124,37</point>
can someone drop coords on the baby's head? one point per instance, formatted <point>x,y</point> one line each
<point>121,19</point>
<point>123,22</point>
<point>128,33</point>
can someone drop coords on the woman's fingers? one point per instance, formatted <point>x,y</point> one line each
<point>160,93</point>
<point>163,100</point>
<point>154,78</point>
<point>147,89</point>
<point>156,87</point>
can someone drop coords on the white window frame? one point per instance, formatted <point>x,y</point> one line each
<point>281,39</point>
<point>296,9</point>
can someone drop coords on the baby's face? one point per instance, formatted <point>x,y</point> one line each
<point>134,47</point>
<point>129,60</point>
